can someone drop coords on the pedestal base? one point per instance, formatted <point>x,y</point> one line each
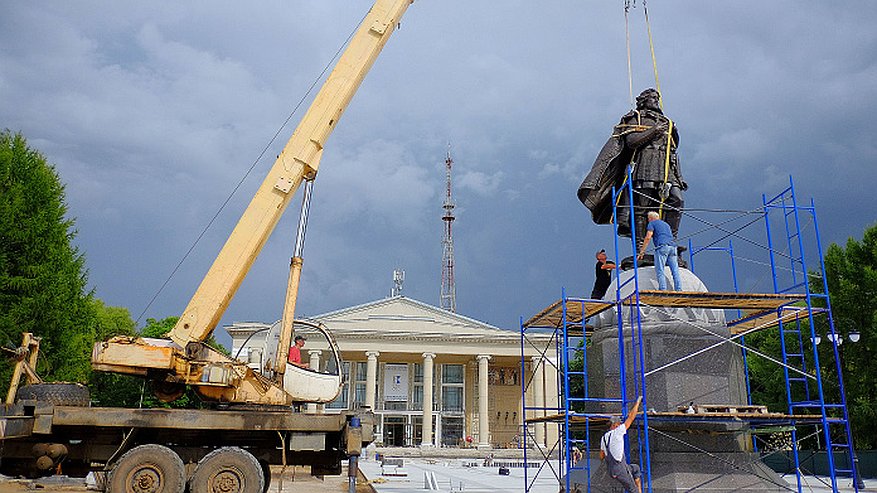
<point>684,455</point>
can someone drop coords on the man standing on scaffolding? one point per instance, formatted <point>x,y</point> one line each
<point>646,140</point>
<point>612,451</point>
<point>665,251</point>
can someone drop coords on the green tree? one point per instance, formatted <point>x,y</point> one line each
<point>112,389</point>
<point>851,273</point>
<point>161,328</point>
<point>112,321</point>
<point>43,280</point>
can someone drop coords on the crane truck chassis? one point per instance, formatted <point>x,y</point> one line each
<point>49,427</point>
<point>160,450</point>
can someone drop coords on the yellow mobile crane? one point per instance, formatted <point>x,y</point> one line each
<point>45,427</point>
<point>184,359</point>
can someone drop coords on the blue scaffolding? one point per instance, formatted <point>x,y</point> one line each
<point>798,306</point>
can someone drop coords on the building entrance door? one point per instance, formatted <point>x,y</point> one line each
<point>394,431</point>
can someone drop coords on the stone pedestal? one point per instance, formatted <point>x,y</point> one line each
<point>685,456</point>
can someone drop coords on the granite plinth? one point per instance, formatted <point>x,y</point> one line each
<point>684,456</point>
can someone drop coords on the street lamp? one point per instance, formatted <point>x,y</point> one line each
<point>838,339</point>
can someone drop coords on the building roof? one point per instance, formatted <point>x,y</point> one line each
<point>399,320</point>
<point>401,324</point>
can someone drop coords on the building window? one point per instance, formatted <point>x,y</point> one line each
<point>359,384</point>
<point>417,392</point>
<point>452,388</point>
<point>341,402</point>
<point>452,432</point>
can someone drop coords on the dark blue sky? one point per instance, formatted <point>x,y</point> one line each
<point>153,113</point>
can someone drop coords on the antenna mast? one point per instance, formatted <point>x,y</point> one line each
<point>398,280</point>
<point>449,291</point>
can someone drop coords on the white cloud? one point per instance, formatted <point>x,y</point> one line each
<point>481,183</point>
<point>153,115</point>
<point>379,181</point>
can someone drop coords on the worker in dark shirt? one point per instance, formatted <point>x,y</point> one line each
<point>602,275</point>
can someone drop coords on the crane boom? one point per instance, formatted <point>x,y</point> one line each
<point>299,160</point>
<point>185,359</point>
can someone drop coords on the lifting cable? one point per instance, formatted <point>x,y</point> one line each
<point>247,173</point>
<point>727,232</point>
<point>722,340</point>
<point>627,6</point>
<point>652,49</point>
<point>661,193</point>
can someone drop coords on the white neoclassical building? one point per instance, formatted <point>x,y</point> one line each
<point>394,349</point>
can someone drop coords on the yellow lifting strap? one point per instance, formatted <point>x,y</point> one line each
<point>666,166</point>
<point>652,50</point>
<point>627,37</point>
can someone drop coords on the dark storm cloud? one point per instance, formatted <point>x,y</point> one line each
<point>152,113</point>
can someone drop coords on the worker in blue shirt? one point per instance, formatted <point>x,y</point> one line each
<point>665,251</point>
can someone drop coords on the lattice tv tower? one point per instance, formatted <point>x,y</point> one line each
<point>449,292</point>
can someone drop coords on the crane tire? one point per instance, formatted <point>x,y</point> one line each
<point>147,468</point>
<point>57,393</point>
<point>266,473</point>
<point>228,470</point>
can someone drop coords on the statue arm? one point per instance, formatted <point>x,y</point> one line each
<point>639,139</point>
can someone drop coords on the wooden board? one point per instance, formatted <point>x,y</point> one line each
<point>682,417</point>
<point>578,310</point>
<point>721,409</point>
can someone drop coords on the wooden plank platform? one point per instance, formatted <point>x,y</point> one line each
<point>770,318</point>
<point>721,409</point>
<point>577,310</point>
<point>764,309</point>
<point>761,417</point>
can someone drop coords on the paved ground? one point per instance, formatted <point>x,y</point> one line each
<point>451,474</point>
<point>293,480</point>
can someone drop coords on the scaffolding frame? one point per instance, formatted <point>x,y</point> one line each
<point>795,308</point>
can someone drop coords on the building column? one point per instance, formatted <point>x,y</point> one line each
<point>427,400</point>
<point>538,384</point>
<point>552,400</point>
<point>483,422</point>
<point>314,364</point>
<point>371,378</point>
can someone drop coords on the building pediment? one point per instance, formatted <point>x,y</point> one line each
<point>406,325</point>
<point>405,318</point>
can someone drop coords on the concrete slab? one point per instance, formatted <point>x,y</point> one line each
<point>452,475</point>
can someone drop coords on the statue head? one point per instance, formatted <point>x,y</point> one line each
<point>649,99</point>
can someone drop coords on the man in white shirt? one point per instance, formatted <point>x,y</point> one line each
<point>612,451</point>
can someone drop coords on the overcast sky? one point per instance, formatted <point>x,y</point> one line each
<point>153,111</point>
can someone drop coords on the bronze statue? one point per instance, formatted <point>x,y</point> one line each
<point>646,140</point>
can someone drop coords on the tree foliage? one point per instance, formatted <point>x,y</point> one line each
<point>851,273</point>
<point>112,389</point>
<point>851,276</point>
<point>43,280</point>
<point>43,285</point>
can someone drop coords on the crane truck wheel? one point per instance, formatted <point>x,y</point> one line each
<point>168,391</point>
<point>147,468</point>
<point>57,394</point>
<point>228,470</point>
<point>266,473</point>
